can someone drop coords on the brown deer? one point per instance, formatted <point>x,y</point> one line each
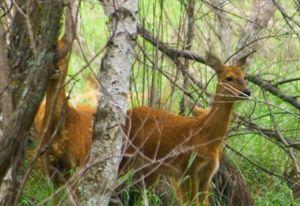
<point>67,130</point>
<point>163,143</point>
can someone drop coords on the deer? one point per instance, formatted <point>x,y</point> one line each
<point>65,130</point>
<point>162,143</point>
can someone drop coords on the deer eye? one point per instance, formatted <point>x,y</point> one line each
<point>229,79</point>
<point>245,78</point>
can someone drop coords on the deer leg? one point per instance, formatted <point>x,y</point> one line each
<point>205,175</point>
<point>204,185</point>
<point>189,190</point>
<point>195,188</point>
<point>152,180</point>
<point>180,189</point>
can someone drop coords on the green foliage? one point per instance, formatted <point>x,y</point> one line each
<point>38,189</point>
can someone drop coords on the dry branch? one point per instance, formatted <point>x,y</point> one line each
<point>288,18</point>
<point>265,170</point>
<point>261,14</point>
<point>223,24</point>
<point>269,133</point>
<point>274,90</point>
<point>286,81</point>
<point>175,53</point>
<point>168,50</point>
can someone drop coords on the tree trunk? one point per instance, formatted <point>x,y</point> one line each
<point>6,109</point>
<point>100,177</point>
<point>36,79</point>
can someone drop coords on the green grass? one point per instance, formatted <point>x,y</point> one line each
<point>38,189</point>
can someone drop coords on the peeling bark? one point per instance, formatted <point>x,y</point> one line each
<point>99,180</point>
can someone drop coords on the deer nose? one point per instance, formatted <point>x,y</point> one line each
<point>247,92</point>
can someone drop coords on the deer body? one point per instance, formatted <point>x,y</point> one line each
<point>165,143</point>
<point>70,146</point>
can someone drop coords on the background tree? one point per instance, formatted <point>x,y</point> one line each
<point>32,52</point>
<point>6,108</point>
<point>99,180</point>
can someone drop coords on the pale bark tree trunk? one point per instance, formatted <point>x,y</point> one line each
<point>261,14</point>
<point>114,78</point>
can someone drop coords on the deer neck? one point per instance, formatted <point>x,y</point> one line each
<point>217,122</point>
<point>55,98</point>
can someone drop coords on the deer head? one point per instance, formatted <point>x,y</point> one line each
<point>232,80</point>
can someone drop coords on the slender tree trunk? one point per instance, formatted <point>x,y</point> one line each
<point>100,177</point>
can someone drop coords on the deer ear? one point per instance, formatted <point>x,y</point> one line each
<point>242,61</point>
<point>214,62</point>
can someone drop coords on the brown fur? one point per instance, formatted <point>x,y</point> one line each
<point>165,142</point>
<point>229,183</point>
<point>198,111</point>
<point>71,145</point>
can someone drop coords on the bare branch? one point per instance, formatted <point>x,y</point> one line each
<point>262,12</point>
<point>223,24</point>
<point>174,53</point>
<point>274,90</point>
<point>265,132</point>
<point>169,51</point>
<point>286,81</point>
